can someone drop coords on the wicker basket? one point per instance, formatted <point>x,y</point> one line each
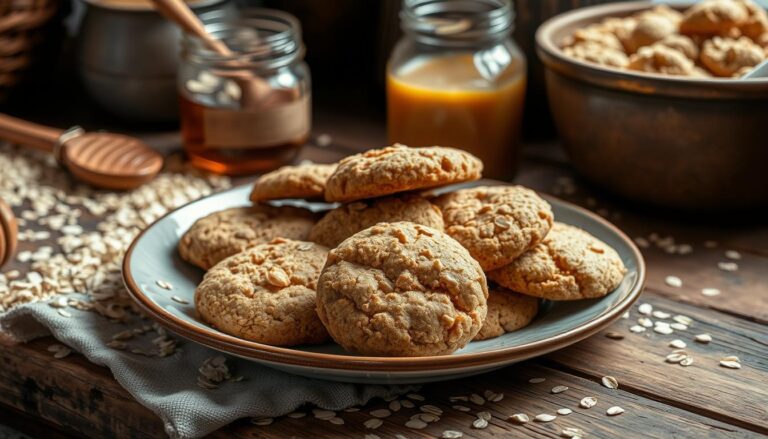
<point>24,28</point>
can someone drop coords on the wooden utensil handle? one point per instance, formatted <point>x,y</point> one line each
<point>27,133</point>
<point>178,12</point>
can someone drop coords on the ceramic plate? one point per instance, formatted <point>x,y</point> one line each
<point>153,256</point>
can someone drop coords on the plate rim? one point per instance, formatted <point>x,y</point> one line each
<point>326,361</point>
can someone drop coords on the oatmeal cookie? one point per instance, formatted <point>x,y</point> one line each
<point>661,59</point>
<point>714,17</point>
<point>650,28</point>
<point>224,233</point>
<point>727,57</point>
<point>507,312</point>
<point>266,294</point>
<point>496,223</point>
<point>570,264</point>
<point>756,25</point>
<point>399,168</point>
<point>595,34</point>
<point>597,54</point>
<point>348,219</point>
<point>401,289</point>
<point>304,182</point>
<point>682,44</point>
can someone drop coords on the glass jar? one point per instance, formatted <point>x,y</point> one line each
<point>457,79</point>
<point>248,111</point>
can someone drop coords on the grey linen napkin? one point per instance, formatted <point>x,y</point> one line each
<point>168,386</point>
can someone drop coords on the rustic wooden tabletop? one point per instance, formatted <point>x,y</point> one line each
<point>47,397</point>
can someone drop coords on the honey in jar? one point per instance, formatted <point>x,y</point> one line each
<point>250,112</point>
<point>457,79</point>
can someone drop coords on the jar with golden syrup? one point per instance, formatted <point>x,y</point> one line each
<point>248,111</point>
<point>457,79</point>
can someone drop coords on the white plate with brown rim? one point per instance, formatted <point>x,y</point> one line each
<point>153,257</point>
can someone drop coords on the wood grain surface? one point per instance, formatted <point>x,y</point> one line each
<point>661,400</point>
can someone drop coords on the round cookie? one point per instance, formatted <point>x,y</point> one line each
<point>727,57</point>
<point>592,52</point>
<point>398,168</point>
<point>713,17</point>
<point>266,294</point>
<point>224,233</point>
<point>401,289</point>
<point>303,182</point>
<point>507,312</point>
<point>661,59</point>
<point>348,219</point>
<point>570,264</point>
<point>496,223</point>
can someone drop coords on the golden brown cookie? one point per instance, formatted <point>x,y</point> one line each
<point>348,219</point>
<point>496,223</point>
<point>596,34</point>
<point>661,59</point>
<point>650,28</point>
<point>682,44</point>
<point>507,312</point>
<point>266,294</point>
<point>305,182</point>
<point>224,233</point>
<point>398,168</point>
<point>570,264</point>
<point>597,54</point>
<point>756,24</point>
<point>714,17</point>
<point>401,289</point>
<point>727,57</point>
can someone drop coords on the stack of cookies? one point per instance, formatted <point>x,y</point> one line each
<point>391,271</point>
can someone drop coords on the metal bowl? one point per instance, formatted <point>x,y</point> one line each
<point>680,142</point>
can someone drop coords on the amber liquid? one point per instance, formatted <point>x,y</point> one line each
<point>204,152</point>
<point>445,101</point>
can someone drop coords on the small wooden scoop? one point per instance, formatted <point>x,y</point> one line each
<point>105,160</point>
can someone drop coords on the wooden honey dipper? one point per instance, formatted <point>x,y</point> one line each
<point>105,160</point>
<point>9,232</point>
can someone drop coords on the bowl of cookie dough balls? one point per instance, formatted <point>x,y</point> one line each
<point>650,102</point>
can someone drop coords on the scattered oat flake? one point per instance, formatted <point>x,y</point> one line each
<point>732,254</point>
<point>559,389</point>
<point>381,413</point>
<point>545,417</point>
<point>519,418</point>
<point>458,398</point>
<point>416,424</point>
<point>678,326</point>
<point>687,361</point>
<point>730,363</point>
<point>614,411</point>
<point>614,335</point>
<point>728,266</point>
<point>536,380</point>
<point>261,421</point>
<point>710,292</point>
<point>451,434</point>
<point>484,415</point>
<point>588,402</point>
<point>572,432</point>
<point>323,414</point>
<point>179,300</point>
<point>476,399</point>
<point>64,313</point>
<point>661,314</point>
<point>645,322</point>
<point>637,329</point>
<point>164,285</point>
<point>336,420</point>
<point>673,281</point>
<point>407,403</point>
<point>685,320</point>
<point>703,338</point>
<point>296,415</point>
<point>676,357</point>
<point>564,411</point>
<point>642,242</point>
<point>428,408</point>
<point>462,408</point>
<point>610,382</point>
<point>664,328</point>
<point>373,423</point>
<point>415,397</point>
<point>373,436</point>
<point>677,343</point>
<point>479,423</point>
<point>645,309</point>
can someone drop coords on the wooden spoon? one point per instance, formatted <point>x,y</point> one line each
<point>105,160</point>
<point>254,90</point>
<point>9,231</point>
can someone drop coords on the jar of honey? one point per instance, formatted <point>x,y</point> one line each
<point>457,79</point>
<point>249,110</point>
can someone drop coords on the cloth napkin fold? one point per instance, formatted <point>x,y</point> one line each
<point>168,386</point>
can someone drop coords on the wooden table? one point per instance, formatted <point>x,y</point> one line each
<point>71,397</point>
